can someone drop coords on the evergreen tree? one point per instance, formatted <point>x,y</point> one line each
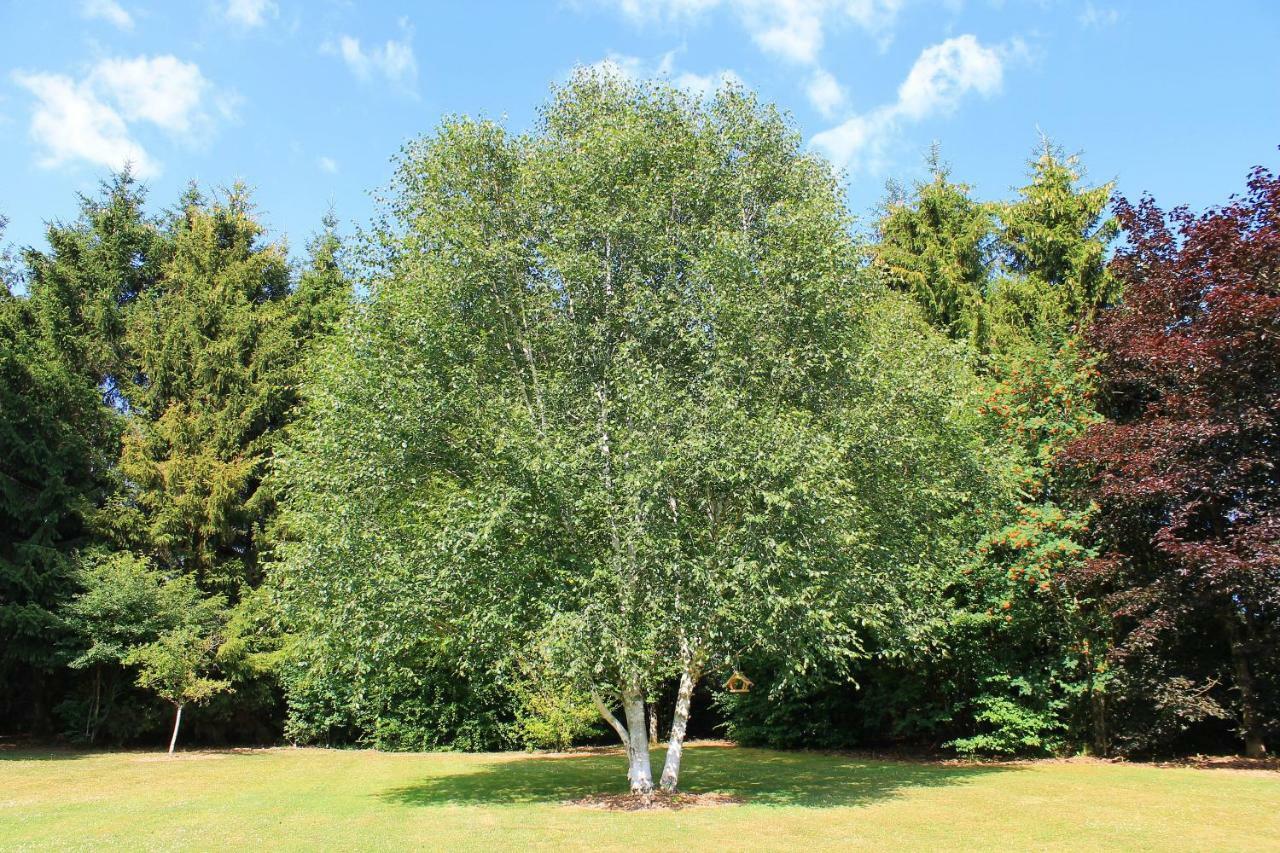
<point>185,345</point>
<point>1020,282</point>
<point>56,445</point>
<point>1053,240</point>
<point>83,288</point>
<point>935,243</point>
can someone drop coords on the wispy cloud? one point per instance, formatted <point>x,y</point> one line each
<point>92,119</point>
<point>393,60</point>
<point>327,165</point>
<point>825,93</point>
<point>942,76</point>
<point>250,13</point>
<point>637,68</point>
<point>1098,16</point>
<point>790,29</point>
<point>107,10</point>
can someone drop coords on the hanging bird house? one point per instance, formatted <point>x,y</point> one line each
<point>738,683</point>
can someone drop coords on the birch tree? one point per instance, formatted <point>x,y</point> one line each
<point>622,391</point>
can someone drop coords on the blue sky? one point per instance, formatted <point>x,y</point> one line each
<point>307,101</point>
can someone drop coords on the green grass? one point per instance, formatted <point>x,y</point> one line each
<point>312,798</point>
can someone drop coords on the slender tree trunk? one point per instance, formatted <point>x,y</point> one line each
<point>1254,747</point>
<point>91,724</point>
<point>641,774</point>
<point>1098,744</point>
<point>653,723</point>
<point>1098,706</point>
<point>679,724</point>
<point>177,721</point>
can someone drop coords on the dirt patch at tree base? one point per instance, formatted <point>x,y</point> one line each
<point>657,801</point>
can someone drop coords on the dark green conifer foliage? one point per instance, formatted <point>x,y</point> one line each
<point>56,442</point>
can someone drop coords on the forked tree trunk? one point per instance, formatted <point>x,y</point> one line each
<point>679,723</point>
<point>177,721</point>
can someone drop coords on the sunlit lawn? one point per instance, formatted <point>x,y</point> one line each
<point>311,798</point>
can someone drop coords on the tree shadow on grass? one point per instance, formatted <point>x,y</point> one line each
<point>67,753</point>
<point>760,777</point>
<point>9,752</point>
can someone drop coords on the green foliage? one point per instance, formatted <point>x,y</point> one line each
<point>130,614</point>
<point>623,383</point>
<point>1011,668</point>
<point>552,712</point>
<point>936,244</point>
<point>124,603</point>
<point>1054,239</point>
<point>216,359</point>
<point>185,338</point>
<point>56,442</point>
<point>178,664</point>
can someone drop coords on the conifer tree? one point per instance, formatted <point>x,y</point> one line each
<point>56,445</point>
<point>935,243</point>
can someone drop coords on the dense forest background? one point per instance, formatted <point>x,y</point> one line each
<point>996,478</point>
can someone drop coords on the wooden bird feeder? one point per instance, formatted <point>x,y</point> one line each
<point>738,683</point>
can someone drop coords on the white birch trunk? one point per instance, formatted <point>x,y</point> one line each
<point>177,721</point>
<point>641,774</point>
<point>679,723</point>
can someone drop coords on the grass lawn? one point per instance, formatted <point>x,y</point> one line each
<point>314,798</point>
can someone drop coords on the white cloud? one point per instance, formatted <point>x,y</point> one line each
<point>327,164</point>
<point>941,77</point>
<point>1098,16</point>
<point>790,29</point>
<point>646,10</point>
<point>859,141</point>
<point>393,60</point>
<point>825,92</point>
<point>945,73</point>
<point>162,90</point>
<point>706,85</point>
<point>793,30</point>
<point>70,123</point>
<point>109,11</point>
<point>94,119</point>
<point>636,68</point>
<point>250,13</point>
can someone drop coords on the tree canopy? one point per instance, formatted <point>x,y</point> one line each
<point>622,388</point>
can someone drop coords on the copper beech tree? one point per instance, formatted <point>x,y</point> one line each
<point>1184,469</point>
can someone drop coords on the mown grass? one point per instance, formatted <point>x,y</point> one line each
<point>329,799</point>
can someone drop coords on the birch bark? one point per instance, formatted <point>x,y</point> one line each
<point>679,724</point>
<point>177,721</point>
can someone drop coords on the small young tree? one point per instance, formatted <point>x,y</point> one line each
<point>177,664</point>
<point>174,666</point>
<point>120,608</point>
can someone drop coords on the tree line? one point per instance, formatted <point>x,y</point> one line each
<point>592,417</point>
